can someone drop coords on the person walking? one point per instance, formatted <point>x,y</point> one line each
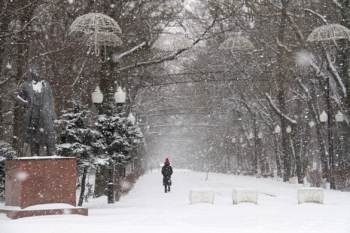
<point>167,171</point>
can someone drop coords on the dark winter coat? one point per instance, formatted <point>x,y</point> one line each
<point>40,112</point>
<point>167,171</point>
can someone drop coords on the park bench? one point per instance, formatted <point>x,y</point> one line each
<point>201,195</point>
<point>313,195</point>
<point>249,195</point>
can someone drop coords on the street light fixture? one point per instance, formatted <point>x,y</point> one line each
<point>323,117</point>
<point>119,96</point>
<point>233,140</point>
<point>339,117</point>
<point>277,129</point>
<point>289,129</point>
<point>250,136</point>
<point>97,98</point>
<point>131,118</point>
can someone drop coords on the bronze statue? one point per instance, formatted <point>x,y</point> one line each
<point>38,100</point>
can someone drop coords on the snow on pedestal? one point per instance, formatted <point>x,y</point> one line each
<point>313,195</point>
<point>249,195</point>
<point>201,195</point>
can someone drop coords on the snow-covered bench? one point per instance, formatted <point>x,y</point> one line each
<point>245,195</point>
<point>314,195</point>
<point>201,195</point>
<point>293,180</point>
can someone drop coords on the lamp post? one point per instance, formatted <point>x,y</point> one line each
<point>257,137</point>
<point>97,98</point>
<point>326,33</point>
<point>250,137</point>
<point>234,143</point>
<point>258,159</point>
<point>339,117</point>
<point>277,131</point>
<point>324,118</point>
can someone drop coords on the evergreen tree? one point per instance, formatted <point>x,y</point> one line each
<point>6,152</point>
<point>120,138</point>
<point>77,139</point>
<point>120,134</point>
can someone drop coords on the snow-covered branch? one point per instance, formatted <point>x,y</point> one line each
<point>46,53</point>
<point>296,28</point>
<point>315,13</point>
<point>335,73</point>
<point>337,3</point>
<point>4,81</point>
<point>170,57</point>
<point>117,58</point>
<point>152,62</point>
<point>319,73</point>
<point>283,46</point>
<point>305,88</point>
<point>279,112</point>
<point>80,71</point>
<point>21,29</point>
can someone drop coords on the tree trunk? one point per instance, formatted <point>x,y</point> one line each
<point>286,149</point>
<point>105,85</point>
<point>296,141</point>
<point>101,181</point>
<point>83,182</point>
<point>278,161</point>
<point>22,60</point>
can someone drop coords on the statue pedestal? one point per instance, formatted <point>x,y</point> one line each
<point>34,181</point>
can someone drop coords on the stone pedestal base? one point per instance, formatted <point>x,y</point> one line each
<point>34,184</point>
<point>15,213</point>
<point>33,181</point>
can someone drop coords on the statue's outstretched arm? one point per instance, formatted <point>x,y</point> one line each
<point>16,96</point>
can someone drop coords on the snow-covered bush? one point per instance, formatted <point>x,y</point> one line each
<point>6,152</point>
<point>341,179</point>
<point>123,185</point>
<point>77,138</point>
<point>314,177</point>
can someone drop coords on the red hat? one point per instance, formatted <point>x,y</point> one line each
<point>167,160</point>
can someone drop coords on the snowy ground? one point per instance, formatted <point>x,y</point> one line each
<point>148,209</point>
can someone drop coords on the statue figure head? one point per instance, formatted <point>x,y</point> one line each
<point>35,74</point>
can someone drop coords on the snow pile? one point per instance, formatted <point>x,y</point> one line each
<point>148,209</point>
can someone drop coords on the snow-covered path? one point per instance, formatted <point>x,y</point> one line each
<point>148,209</point>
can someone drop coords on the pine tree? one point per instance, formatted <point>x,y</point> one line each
<point>120,134</point>
<point>77,139</point>
<point>6,152</point>
<point>120,138</point>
